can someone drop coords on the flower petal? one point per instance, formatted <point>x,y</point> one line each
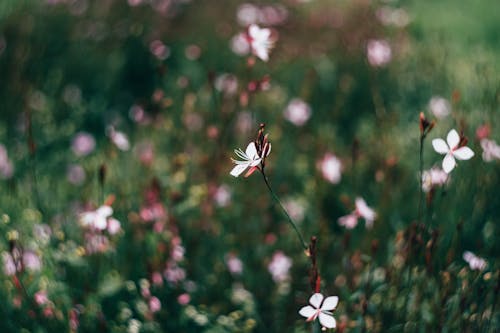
<point>104,211</point>
<point>327,320</point>
<point>238,169</point>
<point>330,303</point>
<point>308,312</point>
<point>463,153</point>
<point>251,151</point>
<point>453,139</point>
<point>448,163</point>
<point>440,146</point>
<point>250,171</point>
<point>316,300</point>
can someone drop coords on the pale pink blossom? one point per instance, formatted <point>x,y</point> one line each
<point>239,44</point>
<point>295,208</point>
<point>96,243</point>
<point>261,41</point>
<point>154,304</point>
<point>6,166</point>
<point>97,219</point>
<point>41,297</point>
<point>491,150</point>
<point>119,139</point>
<point>75,174</point>
<point>379,52</point>
<point>159,49</point>
<point>157,279</point>
<point>222,196</point>
<point>192,52</point>
<point>331,168</point>
<point>432,178</point>
<point>227,84</point>
<point>234,264</point>
<point>439,107</point>
<point>361,211</point>
<point>184,299</point>
<point>297,112</point>
<point>83,144</point>
<point>114,226</point>
<point>451,150</point>
<point>247,14</point>
<point>321,308</point>
<point>279,267</point>
<point>475,262</point>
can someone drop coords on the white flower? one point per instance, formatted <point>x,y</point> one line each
<point>440,107</point>
<point>475,262</point>
<point>97,219</point>
<point>250,159</point>
<point>261,41</point>
<point>297,112</point>
<point>379,52</point>
<point>322,309</point>
<point>331,168</point>
<point>279,267</point>
<point>362,210</point>
<point>491,150</point>
<point>451,149</point>
<point>433,177</point>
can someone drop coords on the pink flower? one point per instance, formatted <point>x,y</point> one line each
<point>491,150</point>
<point>234,264</point>
<point>114,226</point>
<point>6,166</point>
<point>83,144</point>
<point>97,219</point>
<point>297,112</point>
<point>41,297</point>
<point>378,52</point>
<point>75,174</point>
<point>119,139</point>
<point>440,107</point>
<point>331,168</point>
<point>432,178</point>
<point>159,50</point>
<point>279,267</point>
<point>154,304</point>
<point>227,84</point>
<point>362,210</point>
<point>184,299</point>
<point>222,196</point>
<point>451,149</point>
<point>321,308</point>
<point>475,262</point>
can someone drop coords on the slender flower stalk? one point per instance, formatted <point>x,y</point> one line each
<point>425,128</point>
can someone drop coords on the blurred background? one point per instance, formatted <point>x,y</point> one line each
<point>138,105</point>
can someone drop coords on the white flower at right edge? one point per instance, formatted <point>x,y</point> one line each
<point>451,150</point>
<point>321,308</point>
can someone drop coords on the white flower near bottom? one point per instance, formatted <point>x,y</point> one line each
<point>249,159</point>
<point>451,150</point>
<point>321,308</point>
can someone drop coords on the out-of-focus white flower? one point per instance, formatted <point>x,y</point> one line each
<point>295,208</point>
<point>240,45</point>
<point>432,178</point>
<point>475,262</point>
<point>491,150</point>
<point>249,159</point>
<point>379,52</point>
<point>222,196</point>
<point>6,166</point>
<point>279,267</point>
<point>331,168</point>
<point>247,14</point>
<point>451,150</point>
<point>261,41</point>
<point>439,107</point>
<point>361,210</point>
<point>297,112</point>
<point>118,138</point>
<point>83,144</point>
<point>227,84</point>
<point>97,219</point>
<point>75,174</point>
<point>321,308</point>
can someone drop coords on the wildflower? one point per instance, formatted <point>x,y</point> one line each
<point>118,138</point>
<point>432,178</point>
<point>83,144</point>
<point>97,219</point>
<point>491,150</point>
<point>254,156</point>
<point>454,147</point>
<point>279,267</point>
<point>440,107</point>
<point>75,174</point>
<point>331,168</point>
<point>378,52</point>
<point>475,262</point>
<point>297,112</point>
<point>261,41</point>
<point>234,264</point>
<point>321,308</point>
<point>154,304</point>
<point>6,166</point>
<point>362,210</point>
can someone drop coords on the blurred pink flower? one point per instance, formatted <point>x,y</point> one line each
<point>234,264</point>
<point>114,226</point>
<point>75,174</point>
<point>157,279</point>
<point>439,107</point>
<point>491,150</point>
<point>83,144</point>
<point>432,178</point>
<point>184,299</point>
<point>475,262</point>
<point>295,209</point>
<point>31,261</point>
<point>6,166</point>
<point>41,297</point>
<point>222,196</point>
<point>154,304</point>
<point>97,219</point>
<point>321,308</point>
<point>96,243</point>
<point>297,112</point>
<point>361,211</point>
<point>483,132</point>
<point>239,44</point>
<point>279,267</point>
<point>379,52</point>
<point>153,212</point>
<point>119,139</point>
<point>247,14</point>
<point>173,273</point>
<point>451,150</point>
<point>331,168</point>
<point>227,84</point>
<point>159,49</point>
<point>192,52</point>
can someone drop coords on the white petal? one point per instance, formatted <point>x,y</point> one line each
<point>448,163</point>
<point>330,303</point>
<point>327,320</point>
<point>316,300</point>
<point>453,139</point>
<point>256,162</point>
<point>440,146</point>
<point>104,211</point>
<point>251,151</point>
<point>307,311</point>
<point>349,221</point>
<point>463,153</point>
<point>100,223</point>
<point>238,169</point>
<point>261,51</point>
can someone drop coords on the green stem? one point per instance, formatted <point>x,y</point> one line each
<point>275,197</point>
<point>421,169</point>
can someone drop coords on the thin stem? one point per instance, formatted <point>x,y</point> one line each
<point>275,197</point>
<point>421,171</point>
